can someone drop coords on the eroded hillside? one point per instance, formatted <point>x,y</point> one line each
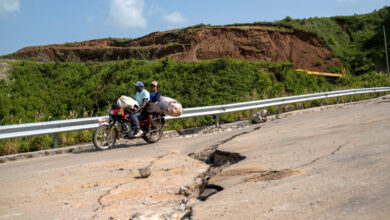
<point>254,43</point>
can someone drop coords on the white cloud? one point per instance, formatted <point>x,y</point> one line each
<point>127,13</point>
<point>155,10</point>
<point>9,6</point>
<point>174,18</point>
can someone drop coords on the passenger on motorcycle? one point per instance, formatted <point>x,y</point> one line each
<point>153,106</point>
<point>142,97</point>
<point>156,95</point>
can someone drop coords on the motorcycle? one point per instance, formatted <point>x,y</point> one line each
<point>119,126</point>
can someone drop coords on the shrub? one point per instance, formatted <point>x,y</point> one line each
<point>51,91</point>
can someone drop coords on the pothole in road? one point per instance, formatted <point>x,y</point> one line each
<point>222,158</point>
<point>217,160</point>
<point>209,190</point>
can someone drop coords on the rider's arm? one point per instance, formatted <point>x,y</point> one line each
<point>158,97</point>
<point>144,103</point>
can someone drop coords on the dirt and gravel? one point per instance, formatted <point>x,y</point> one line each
<point>332,164</point>
<point>254,43</point>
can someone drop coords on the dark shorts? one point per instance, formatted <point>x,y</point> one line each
<point>153,108</point>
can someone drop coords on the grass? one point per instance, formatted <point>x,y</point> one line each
<point>71,44</point>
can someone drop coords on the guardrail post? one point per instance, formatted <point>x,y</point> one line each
<point>55,141</point>
<point>370,94</point>
<point>338,100</point>
<point>278,109</point>
<point>322,102</point>
<point>250,116</point>
<point>361,96</point>
<point>350,98</point>
<point>302,105</point>
<point>217,121</point>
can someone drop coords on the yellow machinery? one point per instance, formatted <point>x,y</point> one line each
<point>344,72</point>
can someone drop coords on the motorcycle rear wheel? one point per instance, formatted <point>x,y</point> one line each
<point>104,137</point>
<point>155,134</point>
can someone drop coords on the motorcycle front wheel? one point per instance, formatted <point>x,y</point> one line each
<point>104,137</point>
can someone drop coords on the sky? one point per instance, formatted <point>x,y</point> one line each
<point>40,22</point>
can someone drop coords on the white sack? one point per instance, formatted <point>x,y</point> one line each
<point>170,106</point>
<point>125,101</point>
<point>164,102</point>
<point>174,109</point>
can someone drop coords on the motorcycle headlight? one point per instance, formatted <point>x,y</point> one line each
<point>119,113</point>
<point>111,112</point>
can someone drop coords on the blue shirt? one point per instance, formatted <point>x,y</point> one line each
<point>155,97</point>
<point>140,96</point>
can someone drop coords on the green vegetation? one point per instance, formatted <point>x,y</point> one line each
<point>50,91</point>
<point>328,31</point>
<point>33,91</point>
<point>357,40</point>
<point>121,41</point>
<point>71,44</point>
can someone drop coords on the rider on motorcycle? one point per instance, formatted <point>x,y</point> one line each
<point>153,106</point>
<point>142,97</point>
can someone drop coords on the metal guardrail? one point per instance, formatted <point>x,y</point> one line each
<point>56,127</point>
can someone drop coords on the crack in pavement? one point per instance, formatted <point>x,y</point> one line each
<point>272,175</point>
<point>102,206</point>
<point>209,155</point>
<point>194,191</point>
<point>210,149</point>
<point>319,158</point>
<point>100,202</point>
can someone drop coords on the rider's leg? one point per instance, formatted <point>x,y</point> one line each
<point>149,122</point>
<point>153,108</point>
<point>134,120</point>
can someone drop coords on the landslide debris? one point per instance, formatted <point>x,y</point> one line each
<point>254,43</point>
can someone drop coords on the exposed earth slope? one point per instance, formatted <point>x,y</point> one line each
<point>254,43</point>
<point>324,44</point>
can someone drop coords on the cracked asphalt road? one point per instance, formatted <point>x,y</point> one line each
<point>103,184</point>
<point>332,164</point>
<point>325,165</point>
